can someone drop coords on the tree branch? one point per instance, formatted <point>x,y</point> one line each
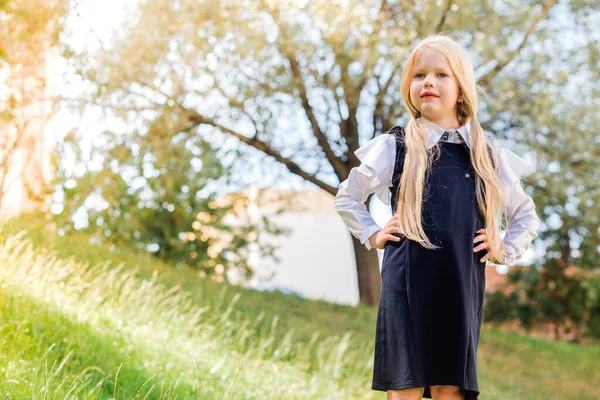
<point>196,119</point>
<point>293,167</point>
<point>486,79</point>
<point>445,12</point>
<point>338,166</point>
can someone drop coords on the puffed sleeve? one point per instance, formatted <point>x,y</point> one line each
<point>373,175</point>
<point>523,221</point>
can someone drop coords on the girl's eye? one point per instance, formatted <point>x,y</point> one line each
<point>441,73</point>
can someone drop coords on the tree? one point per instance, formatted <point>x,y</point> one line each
<point>151,193</point>
<point>305,83</point>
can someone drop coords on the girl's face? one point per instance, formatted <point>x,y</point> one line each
<point>432,73</point>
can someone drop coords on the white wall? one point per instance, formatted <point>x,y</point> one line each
<point>316,258</point>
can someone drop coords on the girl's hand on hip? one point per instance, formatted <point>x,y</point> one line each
<point>389,232</point>
<point>485,245</point>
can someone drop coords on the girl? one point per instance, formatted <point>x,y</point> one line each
<point>448,186</point>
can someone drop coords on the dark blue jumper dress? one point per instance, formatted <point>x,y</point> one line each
<point>431,303</point>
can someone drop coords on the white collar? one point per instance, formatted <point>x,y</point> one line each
<point>437,131</point>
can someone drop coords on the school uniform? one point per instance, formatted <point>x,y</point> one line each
<point>431,303</point>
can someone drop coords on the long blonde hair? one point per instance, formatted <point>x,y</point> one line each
<point>418,158</point>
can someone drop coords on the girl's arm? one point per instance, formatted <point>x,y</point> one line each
<point>523,224</point>
<point>523,221</point>
<point>373,175</point>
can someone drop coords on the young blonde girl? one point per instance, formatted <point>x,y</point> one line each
<point>449,187</point>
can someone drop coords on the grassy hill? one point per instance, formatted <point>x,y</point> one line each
<point>79,321</point>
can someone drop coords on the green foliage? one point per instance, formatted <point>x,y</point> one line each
<point>4,4</point>
<point>30,28</point>
<point>539,295</point>
<point>497,308</point>
<point>155,187</point>
<point>593,323</point>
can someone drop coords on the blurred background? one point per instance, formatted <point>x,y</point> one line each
<point>167,174</point>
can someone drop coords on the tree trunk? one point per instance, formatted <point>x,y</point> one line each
<point>367,269</point>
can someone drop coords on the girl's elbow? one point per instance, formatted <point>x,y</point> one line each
<point>339,201</point>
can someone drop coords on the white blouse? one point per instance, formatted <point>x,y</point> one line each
<point>374,175</point>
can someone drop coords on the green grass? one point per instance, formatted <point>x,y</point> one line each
<point>79,321</point>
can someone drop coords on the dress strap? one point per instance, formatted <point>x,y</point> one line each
<point>398,132</point>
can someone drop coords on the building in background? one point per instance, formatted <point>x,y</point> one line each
<point>316,257</point>
<point>27,105</point>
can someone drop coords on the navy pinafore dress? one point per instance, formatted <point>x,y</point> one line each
<point>431,302</point>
